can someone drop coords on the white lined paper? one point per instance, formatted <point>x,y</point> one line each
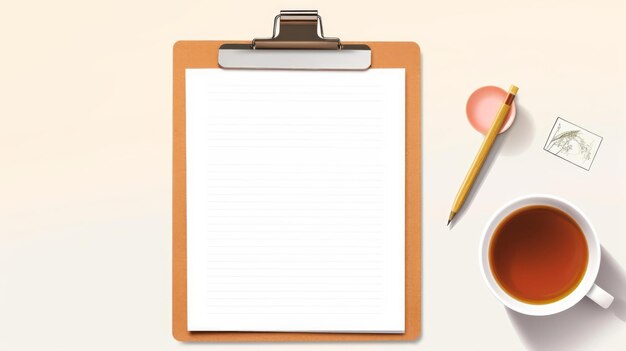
<point>295,200</point>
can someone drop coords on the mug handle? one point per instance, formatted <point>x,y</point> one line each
<point>600,296</point>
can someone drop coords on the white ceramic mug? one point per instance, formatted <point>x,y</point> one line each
<point>586,287</point>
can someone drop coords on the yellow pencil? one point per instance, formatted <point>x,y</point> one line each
<point>483,152</point>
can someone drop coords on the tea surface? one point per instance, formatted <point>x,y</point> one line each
<point>538,254</point>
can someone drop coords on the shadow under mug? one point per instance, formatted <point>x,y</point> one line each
<point>586,287</point>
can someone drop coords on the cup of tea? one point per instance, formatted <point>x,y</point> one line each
<point>540,255</point>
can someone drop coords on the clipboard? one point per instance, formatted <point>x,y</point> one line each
<point>298,46</point>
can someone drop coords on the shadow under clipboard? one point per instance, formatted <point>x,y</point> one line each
<point>578,327</point>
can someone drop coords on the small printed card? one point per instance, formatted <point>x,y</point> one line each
<point>573,143</point>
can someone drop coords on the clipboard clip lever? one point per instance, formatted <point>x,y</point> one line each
<point>297,29</point>
<point>297,43</point>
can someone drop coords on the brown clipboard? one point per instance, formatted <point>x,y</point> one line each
<point>204,54</point>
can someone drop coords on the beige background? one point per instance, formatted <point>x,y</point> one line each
<point>85,157</point>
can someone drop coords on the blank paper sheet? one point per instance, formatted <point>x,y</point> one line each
<point>295,200</point>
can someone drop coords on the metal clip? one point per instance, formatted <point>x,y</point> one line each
<point>298,30</point>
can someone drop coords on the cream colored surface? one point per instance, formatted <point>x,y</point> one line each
<point>85,151</point>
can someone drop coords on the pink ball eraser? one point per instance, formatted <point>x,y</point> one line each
<point>483,105</point>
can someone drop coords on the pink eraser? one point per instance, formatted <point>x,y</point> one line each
<point>483,105</point>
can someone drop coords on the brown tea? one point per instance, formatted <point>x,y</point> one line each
<point>538,254</point>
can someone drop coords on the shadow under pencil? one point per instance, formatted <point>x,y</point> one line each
<point>480,179</point>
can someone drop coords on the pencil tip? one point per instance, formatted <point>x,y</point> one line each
<point>452,214</point>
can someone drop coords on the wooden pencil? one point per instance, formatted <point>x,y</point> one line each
<point>483,152</point>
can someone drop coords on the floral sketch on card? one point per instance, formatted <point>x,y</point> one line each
<point>573,143</point>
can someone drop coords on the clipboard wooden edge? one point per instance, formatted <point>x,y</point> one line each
<point>203,54</point>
